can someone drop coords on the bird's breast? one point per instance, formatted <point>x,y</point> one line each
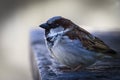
<point>72,52</point>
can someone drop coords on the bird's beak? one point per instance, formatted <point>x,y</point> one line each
<point>44,25</point>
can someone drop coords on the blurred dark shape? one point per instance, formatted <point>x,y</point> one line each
<point>8,7</point>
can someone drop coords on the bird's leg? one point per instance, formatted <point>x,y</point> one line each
<point>65,69</point>
<point>78,68</point>
<point>68,69</point>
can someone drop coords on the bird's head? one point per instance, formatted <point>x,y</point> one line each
<point>58,25</point>
<point>56,22</point>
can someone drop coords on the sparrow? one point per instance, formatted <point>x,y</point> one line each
<point>72,45</point>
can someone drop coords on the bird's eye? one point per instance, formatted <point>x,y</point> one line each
<point>49,24</point>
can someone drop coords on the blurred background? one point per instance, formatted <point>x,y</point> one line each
<point>19,17</point>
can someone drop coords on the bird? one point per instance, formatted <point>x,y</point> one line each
<point>73,46</point>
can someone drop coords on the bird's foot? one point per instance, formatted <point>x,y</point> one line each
<point>78,68</point>
<point>68,69</point>
<point>65,69</point>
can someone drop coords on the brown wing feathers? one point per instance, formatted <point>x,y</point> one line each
<point>90,42</point>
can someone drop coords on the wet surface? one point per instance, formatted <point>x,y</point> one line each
<point>107,69</point>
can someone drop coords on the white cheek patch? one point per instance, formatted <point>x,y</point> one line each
<point>58,29</point>
<point>55,31</point>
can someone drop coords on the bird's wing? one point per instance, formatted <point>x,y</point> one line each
<point>90,42</point>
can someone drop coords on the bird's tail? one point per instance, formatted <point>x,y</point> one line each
<point>113,53</point>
